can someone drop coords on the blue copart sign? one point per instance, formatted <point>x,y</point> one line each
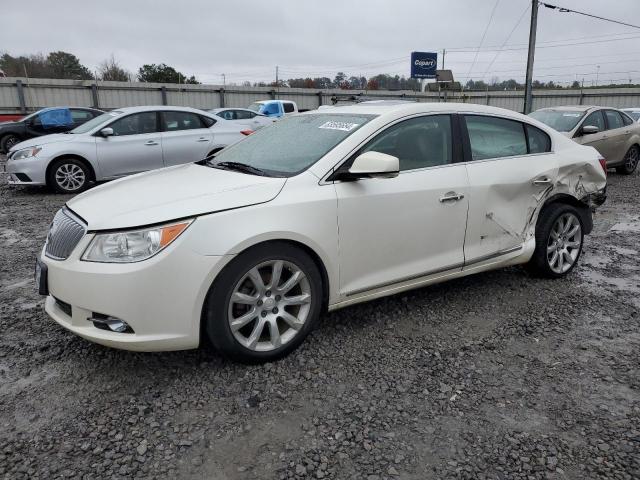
<point>424,64</point>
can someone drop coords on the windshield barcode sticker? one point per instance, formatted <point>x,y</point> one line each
<point>344,126</point>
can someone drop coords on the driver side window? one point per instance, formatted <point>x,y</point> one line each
<point>595,119</point>
<point>418,143</point>
<point>135,124</point>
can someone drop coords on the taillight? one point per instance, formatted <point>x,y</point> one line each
<point>603,163</point>
<point>246,132</point>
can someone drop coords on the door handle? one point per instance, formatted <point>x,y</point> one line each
<point>542,181</point>
<point>451,197</point>
<point>151,142</point>
<point>202,139</point>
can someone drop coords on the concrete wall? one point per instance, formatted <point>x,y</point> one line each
<point>21,95</point>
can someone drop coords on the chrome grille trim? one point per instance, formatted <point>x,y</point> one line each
<point>65,233</point>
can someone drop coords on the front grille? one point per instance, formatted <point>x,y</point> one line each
<point>64,234</point>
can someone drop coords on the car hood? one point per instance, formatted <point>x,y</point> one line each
<point>9,123</point>
<point>171,193</point>
<point>45,139</point>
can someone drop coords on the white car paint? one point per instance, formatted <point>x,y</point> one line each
<point>374,237</point>
<point>120,155</point>
<point>244,116</point>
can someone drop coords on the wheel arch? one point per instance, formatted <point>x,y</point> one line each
<point>311,252</point>
<point>582,207</point>
<point>92,170</point>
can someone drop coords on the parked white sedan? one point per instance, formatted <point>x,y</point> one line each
<point>319,211</point>
<point>251,119</point>
<point>118,143</point>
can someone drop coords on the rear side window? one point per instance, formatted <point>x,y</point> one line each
<point>539,142</point>
<point>614,119</point>
<point>626,119</point>
<point>288,107</point>
<point>207,122</point>
<point>493,137</point>
<point>81,115</point>
<point>181,121</point>
<point>244,115</point>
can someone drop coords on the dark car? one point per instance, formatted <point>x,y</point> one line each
<point>44,122</point>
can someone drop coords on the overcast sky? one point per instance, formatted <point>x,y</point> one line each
<point>247,39</point>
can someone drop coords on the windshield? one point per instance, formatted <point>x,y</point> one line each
<point>91,124</point>
<point>292,145</point>
<point>560,120</point>
<point>256,106</point>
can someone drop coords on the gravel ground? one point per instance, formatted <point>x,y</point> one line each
<point>494,376</point>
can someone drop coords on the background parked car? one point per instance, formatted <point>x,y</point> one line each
<point>245,116</point>
<point>119,143</point>
<point>633,113</point>
<point>274,108</point>
<point>44,122</point>
<point>610,131</point>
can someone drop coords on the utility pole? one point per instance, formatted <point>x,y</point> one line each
<point>532,50</point>
<point>276,75</point>
<point>224,80</point>
<point>597,74</point>
<point>443,54</point>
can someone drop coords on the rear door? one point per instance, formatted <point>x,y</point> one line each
<point>618,133</point>
<point>185,137</point>
<point>510,167</point>
<point>135,146</point>
<point>394,230</point>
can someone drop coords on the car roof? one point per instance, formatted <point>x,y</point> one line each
<point>381,107</point>
<point>153,108</point>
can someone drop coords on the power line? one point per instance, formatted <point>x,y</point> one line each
<point>568,10</point>
<point>484,34</point>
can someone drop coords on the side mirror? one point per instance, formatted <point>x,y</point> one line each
<point>106,132</point>
<point>590,129</point>
<point>375,165</point>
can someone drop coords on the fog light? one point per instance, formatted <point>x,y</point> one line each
<point>106,322</point>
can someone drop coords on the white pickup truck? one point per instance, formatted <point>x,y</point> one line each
<point>274,108</point>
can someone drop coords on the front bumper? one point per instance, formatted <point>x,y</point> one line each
<point>29,171</point>
<point>160,299</point>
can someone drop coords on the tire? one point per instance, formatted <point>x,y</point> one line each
<point>557,257</point>
<point>68,175</point>
<point>8,141</point>
<point>630,161</point>
<point>262,332</point>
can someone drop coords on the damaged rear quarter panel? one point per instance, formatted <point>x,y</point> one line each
<point>505,203</point>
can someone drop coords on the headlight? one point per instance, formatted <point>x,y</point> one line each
<point>134,245</point>
<point>26,153</point>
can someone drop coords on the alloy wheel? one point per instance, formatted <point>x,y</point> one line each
<point>631,159</point>
<point>11,141</point>
<point>269,305</point>
<point>564,243</point>
<point>70,177</point>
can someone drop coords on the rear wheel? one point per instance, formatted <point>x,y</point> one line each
<point>630,161</point>
<point>559,237</point>
<point>8,141</point>
<point>69,175</point>
<point>264,303</point>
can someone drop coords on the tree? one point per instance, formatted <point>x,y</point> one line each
<point>67,65</point>
<point>575,84</point>
<point>110,70</point>
<point>163,74</point>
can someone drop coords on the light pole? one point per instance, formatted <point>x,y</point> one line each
<point>597,74</point>
<point>532,49</point>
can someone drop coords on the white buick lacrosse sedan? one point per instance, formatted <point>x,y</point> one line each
<point>319,211</point>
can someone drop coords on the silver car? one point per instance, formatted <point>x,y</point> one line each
<point>610,131</point>
<point>118,143</point>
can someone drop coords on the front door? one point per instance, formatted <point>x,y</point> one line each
<point>509,174</point>
<point>185,138</point>
<point>393,230</point>
<point>600,140</point>
<point>135,146</point>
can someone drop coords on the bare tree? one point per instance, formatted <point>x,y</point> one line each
<point>110,70</point>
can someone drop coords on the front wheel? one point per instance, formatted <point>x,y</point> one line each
<point>69,175</point>
<point>630,161</point>
<point>264,303</point>
<point>7,142</point>
<point>559,237</point>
